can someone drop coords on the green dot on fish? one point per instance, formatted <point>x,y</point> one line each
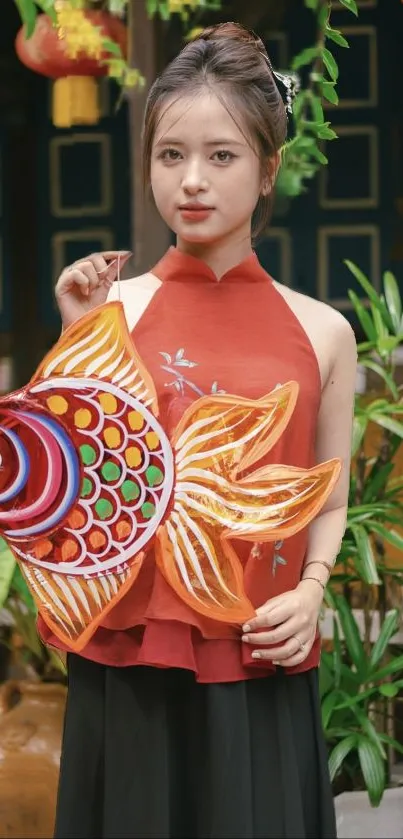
<point>130,490</point>
<point>148,510</point>
<point>103,508</point>
<point>88,454</point>
<point>110,471</point>
<point>86,488</point>
<point>154,476</point>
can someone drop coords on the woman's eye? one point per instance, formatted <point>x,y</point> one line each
<point>223,156</point>
<point>170,155</point>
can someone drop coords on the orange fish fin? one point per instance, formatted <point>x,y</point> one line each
<point>229,434</point>
<point>290,499</point>
<point>205,572</point>
<point>100,345</point>
<point>73,606</point>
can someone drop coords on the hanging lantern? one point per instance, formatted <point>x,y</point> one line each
<point>72,54</point>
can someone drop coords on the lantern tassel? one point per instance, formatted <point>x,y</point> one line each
<point>75,101</point>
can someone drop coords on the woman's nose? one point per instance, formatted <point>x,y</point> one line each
<point>194,178</point>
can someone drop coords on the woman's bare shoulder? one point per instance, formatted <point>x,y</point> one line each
<point>327,329</point>
<point>308,308</point>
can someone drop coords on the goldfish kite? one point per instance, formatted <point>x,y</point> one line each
<point>89,481</point>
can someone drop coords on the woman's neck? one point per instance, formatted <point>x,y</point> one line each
<point>219,256</point>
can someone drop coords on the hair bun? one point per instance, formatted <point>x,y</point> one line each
<point>227,31</point>
<point>232,31</point>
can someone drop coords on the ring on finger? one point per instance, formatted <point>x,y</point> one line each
<point>301,645</point>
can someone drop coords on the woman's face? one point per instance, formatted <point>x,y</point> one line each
<point>205,175</point>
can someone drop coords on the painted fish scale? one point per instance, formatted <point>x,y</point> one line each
<point>124,486</point>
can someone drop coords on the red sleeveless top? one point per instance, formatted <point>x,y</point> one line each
<point>203,336</point>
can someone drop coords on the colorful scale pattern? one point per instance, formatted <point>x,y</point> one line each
<point>121,479</point>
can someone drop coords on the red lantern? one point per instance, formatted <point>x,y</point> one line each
<point>75,92</point>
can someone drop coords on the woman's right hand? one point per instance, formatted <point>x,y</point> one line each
<point>86,283</point>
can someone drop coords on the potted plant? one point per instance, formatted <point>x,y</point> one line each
<point>361,672</point>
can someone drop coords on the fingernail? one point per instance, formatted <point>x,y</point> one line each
<point>277,663</point>
<point>245,639</point>
<point>256,654</point>
<point>246,628</point>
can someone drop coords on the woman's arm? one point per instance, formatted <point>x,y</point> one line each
<point>333,439</point>
<point>291,618</point>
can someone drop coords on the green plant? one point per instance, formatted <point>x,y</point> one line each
<point>303,155</point>
<point>24,642</point>
<point>361,675</point>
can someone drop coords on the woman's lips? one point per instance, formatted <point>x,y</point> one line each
<point>195,213</point>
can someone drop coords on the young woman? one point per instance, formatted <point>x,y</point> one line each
<point>178,724</point>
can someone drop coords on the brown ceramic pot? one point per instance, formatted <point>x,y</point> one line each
<point>31,724</point>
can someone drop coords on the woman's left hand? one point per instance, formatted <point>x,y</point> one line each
<point>289,623</point>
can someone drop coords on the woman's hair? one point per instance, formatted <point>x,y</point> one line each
<point>233,63</point>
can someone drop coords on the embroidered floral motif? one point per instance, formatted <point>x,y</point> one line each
<point>277,558</point>
<point>180,381</point>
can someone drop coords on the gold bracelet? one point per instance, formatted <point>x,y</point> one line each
<point>316,581</point>
<point>320,562</point>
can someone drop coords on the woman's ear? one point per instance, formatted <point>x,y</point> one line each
<point>269,178</point>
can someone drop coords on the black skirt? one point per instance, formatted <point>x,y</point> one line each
<point>151,753</point>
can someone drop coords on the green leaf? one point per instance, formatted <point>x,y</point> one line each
<point>380,371</point>
<point>389,627</point>
<point>391,536</point>
<point>368,728</point>
<point>28,12</point>
<point>363,316</point>
<point>319,156</point>
<point>336,36</point>
<point>393,666</point>
<point>380,325</point>
<point>385,346</point>
<point>390,690</point>
<point>351,5</point>
<point>112,47</point>
<point>317,109</point>
<point>329,92</point>
<point>327,707</point>
<point>359,429</point>
<point>377,482</point>
<point>390,424</point>
<point>326,133</point>
<point>340,752</point>
<point>390,741</point>
<point>305,57</point>
<point>393,299</point>
<point>337,654</point>
<point>373,769</point>
<point>7,566</point>
<point>367,566</point>
<point>330,64</point>
<point>351,634</point>
<point>323,16</point>
<point>368,288</point>
<point>48,7</point>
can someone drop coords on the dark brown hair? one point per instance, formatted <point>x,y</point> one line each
<point>233,62</point>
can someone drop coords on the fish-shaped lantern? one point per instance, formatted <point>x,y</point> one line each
<point>89,481</point>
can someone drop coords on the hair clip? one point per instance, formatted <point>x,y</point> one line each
<point>291,83</point>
